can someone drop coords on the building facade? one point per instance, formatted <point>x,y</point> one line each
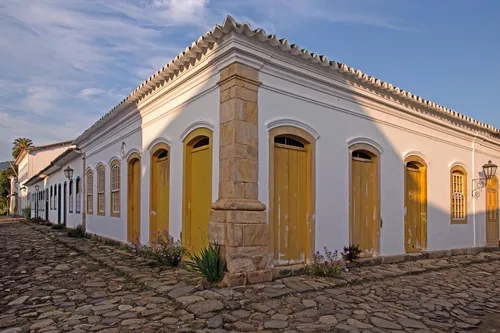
<point>274,152</point>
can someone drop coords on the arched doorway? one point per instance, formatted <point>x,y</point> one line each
<point>291,195</point>
<point>134,197</point>
<point>415,204</point>
<point>197,189</point>
<point>159,189</point>
<point>492,212</point>
<point>364,218</point>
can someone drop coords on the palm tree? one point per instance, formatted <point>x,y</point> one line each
<point>21,144</point>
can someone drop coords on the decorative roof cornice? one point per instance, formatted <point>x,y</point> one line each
<point>168,71</point>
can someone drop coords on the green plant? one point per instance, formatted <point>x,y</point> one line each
<point>27,213</point>
<point>351,253</point>
<point>208,263</point>
<point>78,232</point>
<point>38,220</point>
<point>328,264</point>
<point>166,250</point>
<point>58,226</point>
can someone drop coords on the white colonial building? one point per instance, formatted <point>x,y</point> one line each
<point>275,152</point>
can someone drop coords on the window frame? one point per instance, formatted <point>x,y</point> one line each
<point>457,169</point>
<point>101,190</point>
<point>115,165</point>
<point>89,175</point>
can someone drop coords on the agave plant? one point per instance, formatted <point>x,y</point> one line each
<point>208,263</point>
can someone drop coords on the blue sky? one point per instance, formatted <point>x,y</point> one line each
<point>65,63</point>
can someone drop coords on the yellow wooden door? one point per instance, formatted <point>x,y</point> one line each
<point>492,212</point>
<point>365,216</point>
<point>134,200</point>
<point>200,196</point>
<point>160,184</point>
<point>290,204</point>
<point>415,207</point>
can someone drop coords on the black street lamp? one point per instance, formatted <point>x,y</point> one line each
<point>68,172</point>
<point>489,171</point>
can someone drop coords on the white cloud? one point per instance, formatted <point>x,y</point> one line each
<point>91,92</point>
<point>67,62</point>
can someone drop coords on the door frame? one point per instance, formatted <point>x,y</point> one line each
<point>132,157</point>
<point>423,163</point>
<point>59,204</point>
<point>376,151</point>
<point>152,169</point>
<point>486,210</point>
<point>187,143</point>
<point>310,145</point>
<point>65,205</point>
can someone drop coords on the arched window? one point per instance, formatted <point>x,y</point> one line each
<point>51,197</point>
<point>115,188</point>
<point>70,196</point>
<point>90,192</point>
<point>458,193</point>
<point>78,204</point>
<point>101,190</point>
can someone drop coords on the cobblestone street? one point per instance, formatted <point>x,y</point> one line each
<point>52,283</point>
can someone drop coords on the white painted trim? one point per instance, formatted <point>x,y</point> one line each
<point>416,153</point>
<point>366,141</point>
<point>197,124</point>
<point>113,158</point>
<point>99,164</point>
<point>291,122</point>
<point>160,140</point>
<point>459,163</point>
<point>130,152</point>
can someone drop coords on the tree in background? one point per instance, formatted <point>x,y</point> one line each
<point>4,190</point>
<point>19,145</point>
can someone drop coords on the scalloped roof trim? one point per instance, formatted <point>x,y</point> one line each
<point>204,42</point>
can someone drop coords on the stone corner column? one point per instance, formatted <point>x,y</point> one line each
<point>238,218</point>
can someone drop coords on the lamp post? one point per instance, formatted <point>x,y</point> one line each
<point>68,172</point>
<point>489,171</point>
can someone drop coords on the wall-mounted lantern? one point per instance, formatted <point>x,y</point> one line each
<point>36,188</point>
<point>489,171</point>
<point>68,172</point>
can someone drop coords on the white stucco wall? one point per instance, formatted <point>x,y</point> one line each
<point>167,121</point>
<point>55,179</point>
<point>338,121</point>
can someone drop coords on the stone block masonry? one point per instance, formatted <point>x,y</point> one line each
<point>238,219</point>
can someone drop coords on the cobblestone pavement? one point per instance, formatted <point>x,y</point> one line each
<point>52,283</point>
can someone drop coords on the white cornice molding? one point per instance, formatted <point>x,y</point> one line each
<point>291,122</point>
<point>366,141</point>
<point>114,158</point>
<point>166,140</point>
<point>417,153</point>
<point>131,151</point>
<point>195,125</point>
<point>458,163</point>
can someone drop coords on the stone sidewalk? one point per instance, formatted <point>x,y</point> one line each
<point>52,283</point>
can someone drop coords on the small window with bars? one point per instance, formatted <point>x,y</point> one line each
<point>90,192</point>
<point>115,188</point>
<point>458,198</point>
<point>201,143</point>
<point>288,141</point>
<point>361,155</point>
<point>101,188</point>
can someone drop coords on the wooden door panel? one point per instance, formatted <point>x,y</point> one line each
<point>364,206</point>
<point>200,200</point>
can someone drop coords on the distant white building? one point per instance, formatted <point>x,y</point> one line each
<point>275,152</point>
